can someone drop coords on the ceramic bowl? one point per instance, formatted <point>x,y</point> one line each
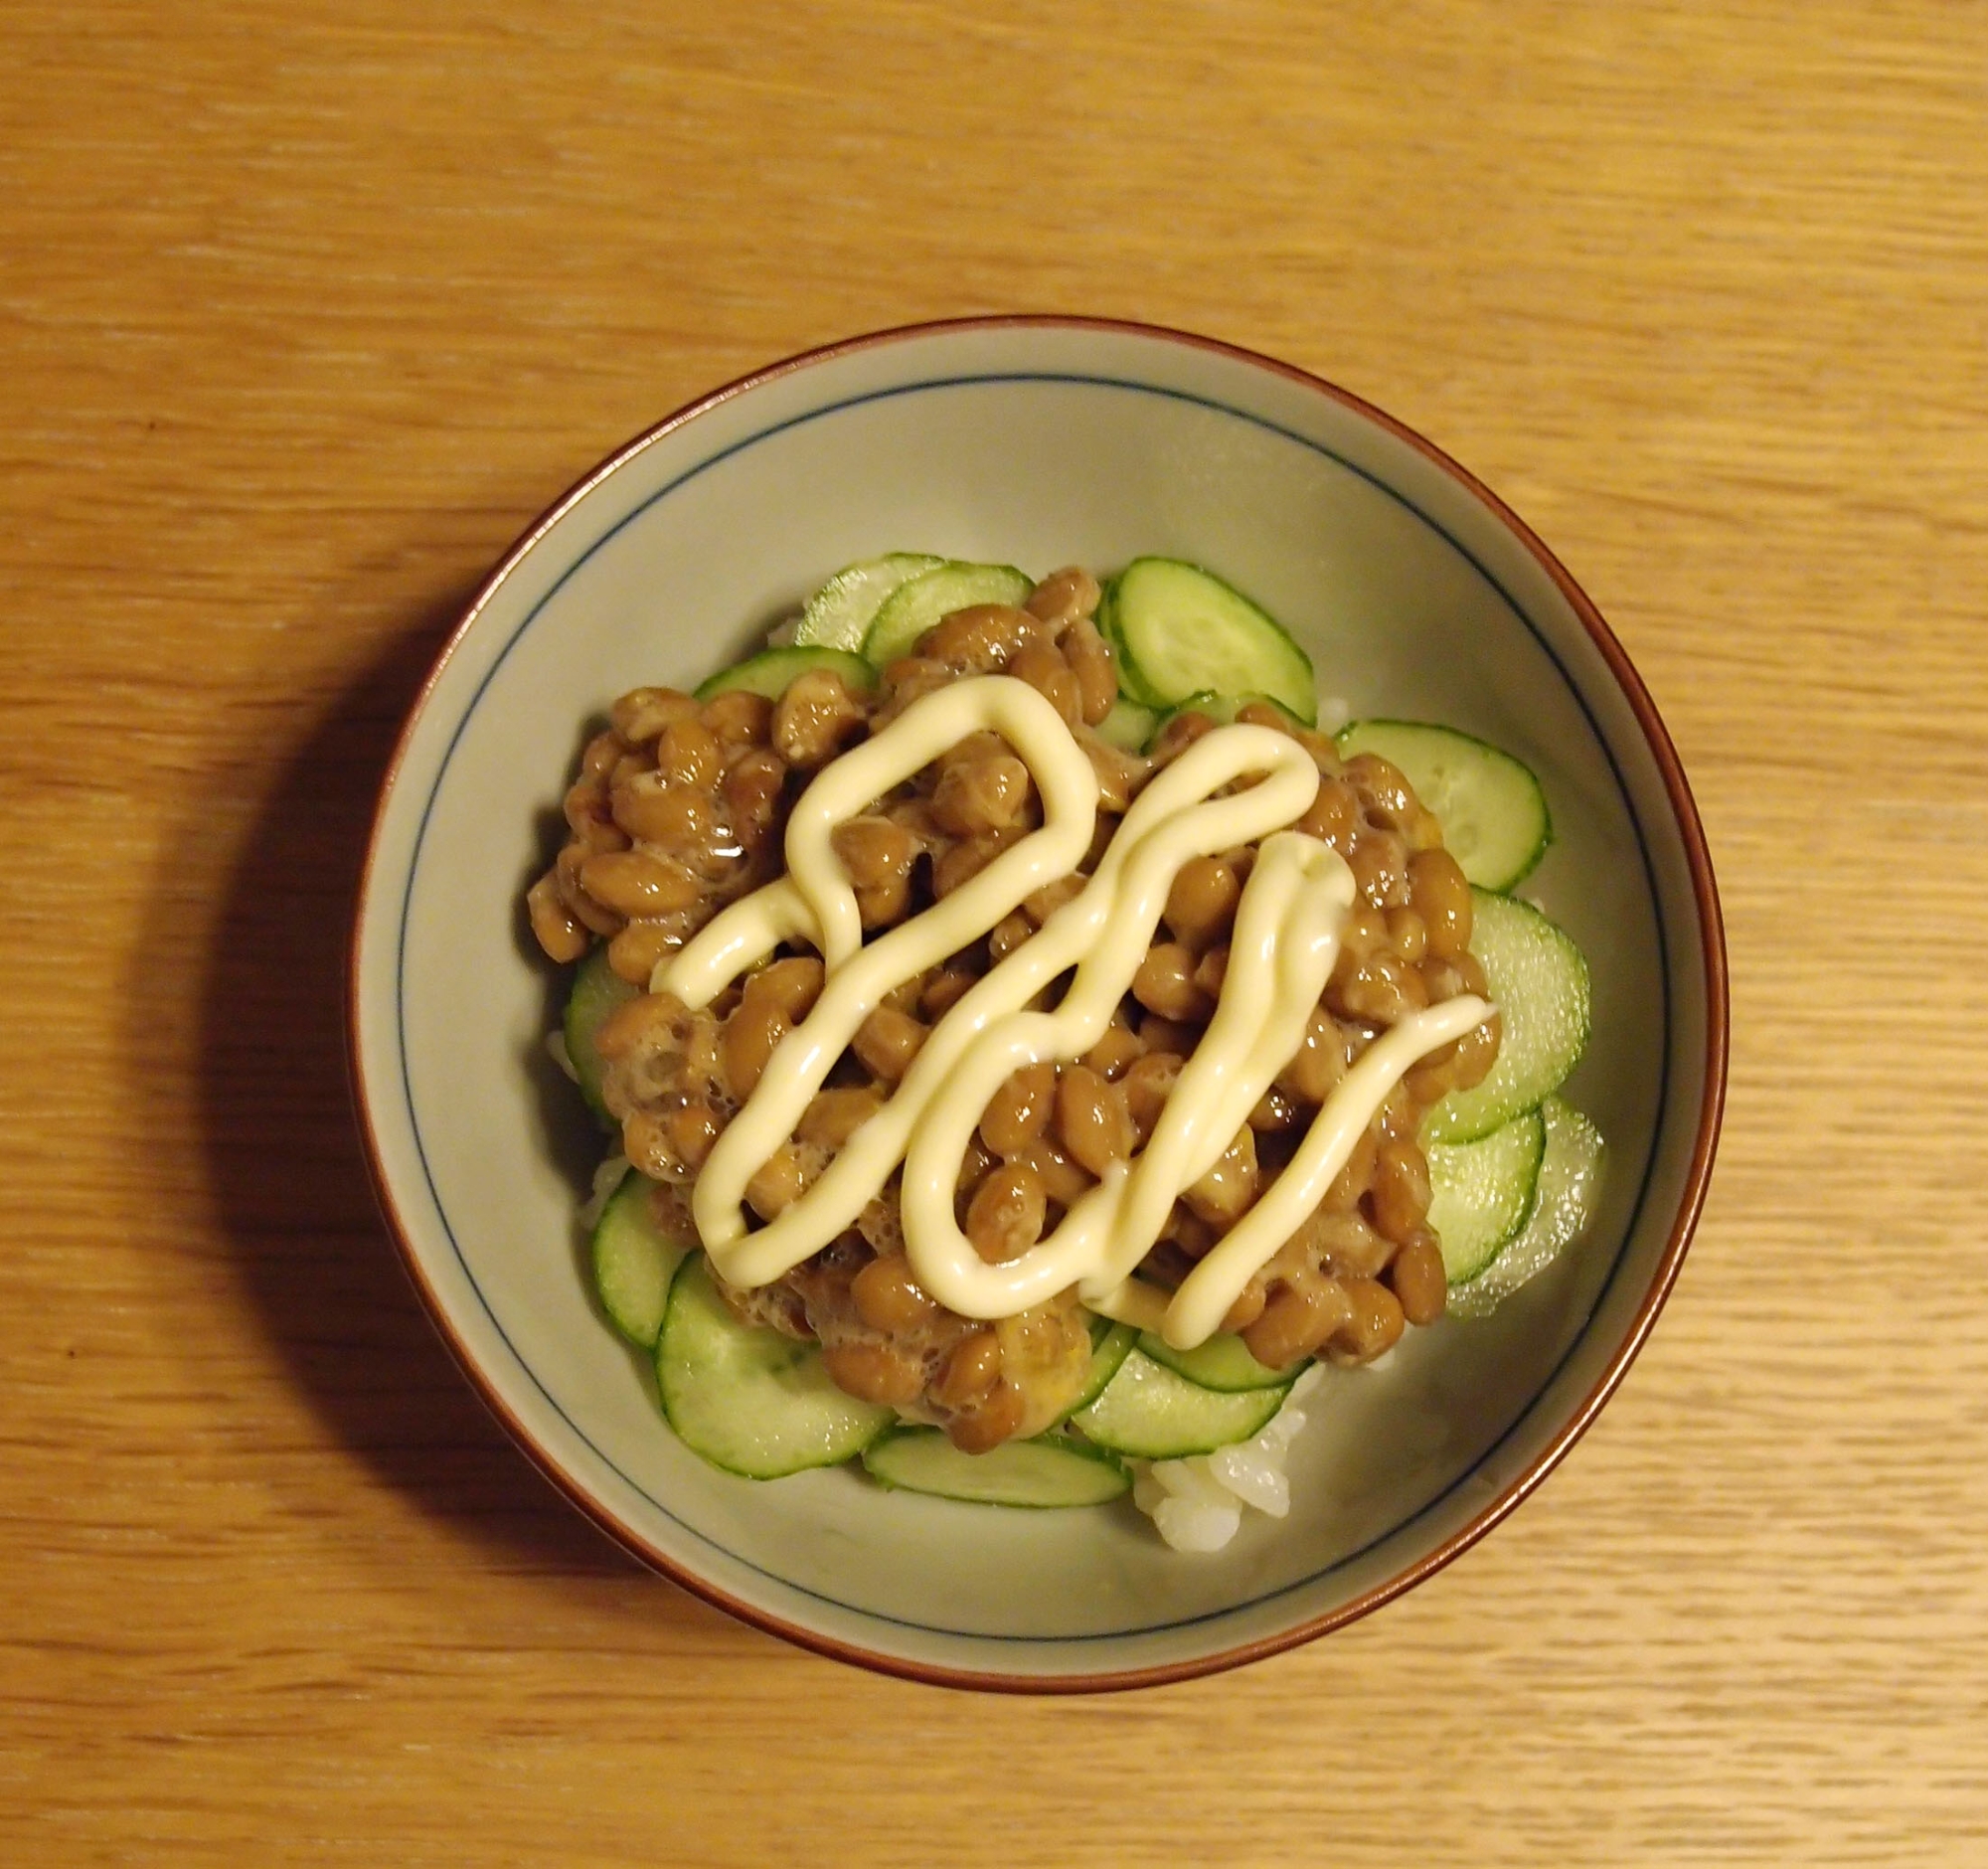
<point>1038,443</point>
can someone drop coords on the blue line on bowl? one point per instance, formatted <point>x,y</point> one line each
<point>1093,382</point>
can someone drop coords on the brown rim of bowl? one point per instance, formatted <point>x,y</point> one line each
<point>1710,1104</point>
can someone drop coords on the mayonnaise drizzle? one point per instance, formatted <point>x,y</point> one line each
<point>1286,938</point>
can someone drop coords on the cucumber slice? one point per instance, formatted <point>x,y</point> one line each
<point>634,1260</point>
<point>1050,1471</point>
<point>1569,1188</point>
<point>1109,1350</point>
<point>1219,708</point>
<point>1492,811</point>
<point>1180,631</point>
<point>1153,1413</point>
<point>772,670</point>
<point>839,614</point>
<point>910,610</point>
<point>1540,982</point>
<point>1129,726</point>
<point>1222,1363</point>
<point>752,1402</point>
<point>1481,1192</point>
<point>596,990</point>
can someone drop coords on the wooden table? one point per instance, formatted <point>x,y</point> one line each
<point>308,310</point>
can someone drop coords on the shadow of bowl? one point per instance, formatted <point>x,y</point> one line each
<point>287,1175</point>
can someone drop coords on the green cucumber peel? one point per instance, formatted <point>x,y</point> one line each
<point>1538,982</point>
<point>1573,1167</point>
<point>1109,1350</point>
<point>1221,709</point>
<point>1222,1364</point>
<point>1049,1472</point>
<point>1491,806</point>
<point>1149,1411</point>
<point>920,602</point>
<point>773,671</point>
<point>749,1400</point>
<point>1178,630</point>
<point>839,614</point>
<point>595,992</point>
<point>1131,726</point>
<point>1482,1193</point>
<point>635,1262</point>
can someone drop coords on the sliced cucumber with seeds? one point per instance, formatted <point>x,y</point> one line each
<point>596,990</point>
<point>839,614</point>
<point>752,1402</point>
<point>1179,631</point>
<point>1481,1192</point>
<point>772,671</point>
<point>634,1260</point>
<point>918,603</point>
<point>1492,810</point>
<point>1129,726</point>
<point>1109,1348</point>
<point>1540,983</point>
<point>1570,1189</point>
<point>1222,1363</point>
<point>1050,1471</point>
<point>1152,1413</point>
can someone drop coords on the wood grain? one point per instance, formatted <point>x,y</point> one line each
<point>308,310</point>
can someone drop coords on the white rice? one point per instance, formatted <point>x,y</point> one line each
<point>1196,1504</point>
<point>555,1047</point>
<point>607,1178</point>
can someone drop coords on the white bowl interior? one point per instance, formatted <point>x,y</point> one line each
<point>1040,448</point>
